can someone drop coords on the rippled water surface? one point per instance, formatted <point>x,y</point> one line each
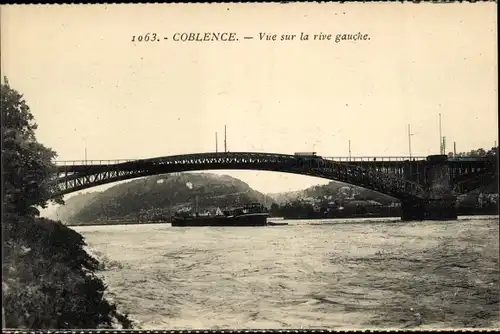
<point>330,273</point>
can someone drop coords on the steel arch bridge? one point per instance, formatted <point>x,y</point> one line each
<point>384,177</point>
<point>72,178</point>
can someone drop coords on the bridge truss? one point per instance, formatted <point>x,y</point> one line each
<point>72,178</point>
<point>378,175</point>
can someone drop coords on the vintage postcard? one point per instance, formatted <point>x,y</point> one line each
<point>250,166</point>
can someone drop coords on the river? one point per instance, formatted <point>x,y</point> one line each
<point>352,273</point>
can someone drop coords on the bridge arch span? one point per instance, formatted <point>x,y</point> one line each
<point>71,178</point>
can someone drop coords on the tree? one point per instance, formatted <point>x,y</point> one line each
<point>481,152</point>
<point>27,164</point>
<point>478,153</point>
<point>492,151</point>
<point>48,278</point>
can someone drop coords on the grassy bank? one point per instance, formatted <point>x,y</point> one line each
<point>49,281</point>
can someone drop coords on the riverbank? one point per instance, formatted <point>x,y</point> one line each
<point>127,222</point>
<point>361,216</point>
<point>361,211</point>
<point>110,294</point>
<point>49,280</point>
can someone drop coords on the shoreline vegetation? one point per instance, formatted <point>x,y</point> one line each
<point>48,279</point>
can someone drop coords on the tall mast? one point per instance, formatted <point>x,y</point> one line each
<point>216,145</point>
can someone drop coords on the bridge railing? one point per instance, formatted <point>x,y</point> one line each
<point>371,159</point>
<point>469,158</point>
<point>91,162</point>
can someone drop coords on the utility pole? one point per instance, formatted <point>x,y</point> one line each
<point>85,141</point>
<point>349,150</point>
<point>225,139</point>
<point>440,137</point>
<point>216,145</point>
<point>409,140</point>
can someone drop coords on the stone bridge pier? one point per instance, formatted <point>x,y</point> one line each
<point>439,203</point>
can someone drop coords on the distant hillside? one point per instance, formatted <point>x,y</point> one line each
<point>160,195</point>
<point>343,193</point>
<point>333,191</point>
<point>72,206</point>
<point>285,197</point>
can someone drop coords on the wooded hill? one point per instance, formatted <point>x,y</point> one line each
<point>156,197</point>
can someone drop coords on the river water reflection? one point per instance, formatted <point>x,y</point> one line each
<point>354,273</point>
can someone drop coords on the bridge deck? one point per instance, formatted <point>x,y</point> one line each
<point>340,159</point>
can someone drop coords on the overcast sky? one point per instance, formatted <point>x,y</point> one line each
<point>89,86</point>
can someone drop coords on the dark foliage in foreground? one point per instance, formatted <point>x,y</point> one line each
<point>48,278</point>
